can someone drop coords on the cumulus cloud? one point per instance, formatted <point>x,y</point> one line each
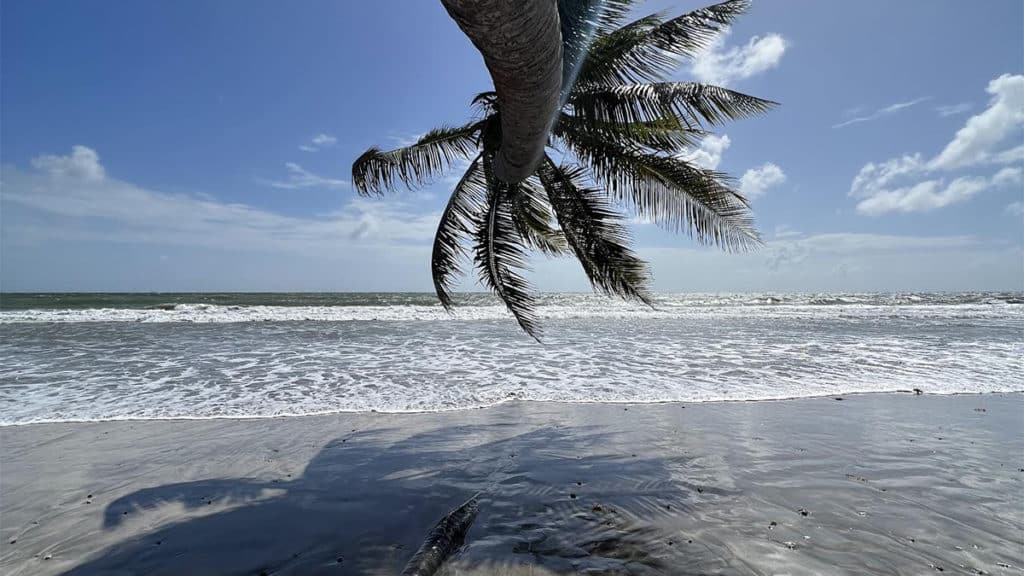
<point>299,177</point>
<point>709,154</point>
<point>929,194</point>
<point>721,65</point>
<point>923,196</point>
<point>83,162</point>
<point>756,181</point>
<point>975,143</point>
<point>887,111</point>
<point>318,142</point>
<point>911,183</point>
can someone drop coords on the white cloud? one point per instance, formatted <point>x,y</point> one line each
<point>1010,176</point>
<point>318,142</point>
<point>874,177</point>
<point>1010,156</point>
<point>709,154</point>
<point>929,194</point>
<point>81,206</point>
<point>911,184</point>
<point>756,181</point>
<point>324,140</point>
<point>718,65</point>
<point>299,177</point>
<point>83,163</point>
<point>954,109</point>
<point>975,143</point>
<point>888,110</point>
<point>1015,209</point>
<point>923,196</point>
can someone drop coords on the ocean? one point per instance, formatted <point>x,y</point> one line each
<point>87,357</point>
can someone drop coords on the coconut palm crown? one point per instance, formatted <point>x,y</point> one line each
<point>621,138</point>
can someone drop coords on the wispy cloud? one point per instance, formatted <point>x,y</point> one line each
<point>721,65</point>
<point>881,112</point>
<point>1015,209</point>
<point>911,183</point>
<point>87,204</point>
<point>954,109</point>
<point>299,177</point>
<point>318,142</point>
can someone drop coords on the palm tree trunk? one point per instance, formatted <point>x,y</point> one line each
<point>521,43</point>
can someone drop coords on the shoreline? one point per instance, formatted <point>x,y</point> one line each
<point>247,418</point>
<point>803,486</point>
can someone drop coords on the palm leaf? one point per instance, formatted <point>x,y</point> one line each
<point>666,135</point>
<point>649,48</point>
<point>500,254</point>
<point>532,215</point>
<point>669,191</point>
<point>692,104</point>
<point>596,234</point>
<point>581,22</point>
<point>375,171</point>
<point>464,207</point>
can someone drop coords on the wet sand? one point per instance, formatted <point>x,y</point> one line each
<point>872,484</point>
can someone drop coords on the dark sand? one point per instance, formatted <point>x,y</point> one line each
<point>874,484</point>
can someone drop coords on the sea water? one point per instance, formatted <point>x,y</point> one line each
<point>81,357</point>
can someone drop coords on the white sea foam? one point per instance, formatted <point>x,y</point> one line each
<point>263,361</point>
<point>579,307</point>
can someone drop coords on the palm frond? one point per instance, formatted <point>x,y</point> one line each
<point>670,192</point>
<point>648,49</point>
<point>485,102</point>
<point>625,55</point>
<point>466,204</point>
<point>500,254</point>
<point>581,22</point>
<point>375,171</point>
<point>532,215</point>
<point>692,104</point>
<point>595,233</point>
<point>666,135</point>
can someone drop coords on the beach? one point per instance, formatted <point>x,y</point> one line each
<point>855,484</point>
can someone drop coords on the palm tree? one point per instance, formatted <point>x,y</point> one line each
<point>620,135</point>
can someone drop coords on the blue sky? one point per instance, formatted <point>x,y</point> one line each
<point>195,145</point>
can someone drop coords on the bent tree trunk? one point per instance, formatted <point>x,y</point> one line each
<point>521,43</point>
